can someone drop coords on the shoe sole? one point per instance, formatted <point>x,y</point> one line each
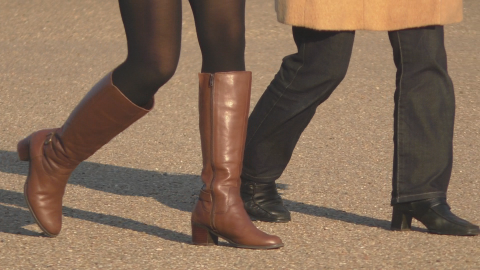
<point>270,220</point>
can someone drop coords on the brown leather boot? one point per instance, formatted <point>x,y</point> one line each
<point>54,153</point>
<point>224,102</point>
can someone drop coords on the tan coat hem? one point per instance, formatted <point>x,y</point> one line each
<point>378,15</point>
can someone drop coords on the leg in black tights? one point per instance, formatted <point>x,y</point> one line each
<point>153,30</point>
<point>221,33</point>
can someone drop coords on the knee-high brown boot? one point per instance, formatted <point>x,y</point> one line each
<point>224,105</point>
<point>54,153</point>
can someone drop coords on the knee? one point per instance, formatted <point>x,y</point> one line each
<point>153,70</point>
<point>336,76</point>
<point>329,75</point>
<point>159,72</point>
<point>335,70</point>
<point>308,79</point>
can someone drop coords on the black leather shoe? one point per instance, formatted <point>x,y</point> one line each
<point>435,214</point>
<point>263,202</point>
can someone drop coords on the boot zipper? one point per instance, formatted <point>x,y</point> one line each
<point>212,92</point>
<point>211,80</point>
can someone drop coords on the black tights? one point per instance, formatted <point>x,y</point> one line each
<point>153,30</point>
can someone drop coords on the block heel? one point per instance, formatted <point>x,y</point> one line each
<point>23,149</point>
<point>401,221</point>
<point>202,236</point>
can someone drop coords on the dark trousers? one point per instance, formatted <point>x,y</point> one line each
<point>423,115</point>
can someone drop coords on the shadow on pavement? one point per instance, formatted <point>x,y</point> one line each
<point>335,214</point>
<point>178,191</point>
<point>12,219</point>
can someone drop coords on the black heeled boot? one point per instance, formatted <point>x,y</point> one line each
<point>435,214</point>
<point>263,202</point>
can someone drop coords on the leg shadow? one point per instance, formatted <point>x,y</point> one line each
<point>330,213</point>
<point>320,211</point>
<point>13,219</point>
<point>178,191</point>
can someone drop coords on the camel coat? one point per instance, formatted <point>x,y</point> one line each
<point>368,14</point>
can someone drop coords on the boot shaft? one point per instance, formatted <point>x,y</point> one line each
<point>102,114</point>
<point>224,102</point>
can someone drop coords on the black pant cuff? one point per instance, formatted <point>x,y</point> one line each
<point>418,197</point>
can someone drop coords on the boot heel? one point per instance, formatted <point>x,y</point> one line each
<point>201,236</point>
<point>401,221</point>
<point>23,149</point>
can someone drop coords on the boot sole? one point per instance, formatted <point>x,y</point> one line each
<point>230,241</point>
<point>468,233</point>
<point>273,220</point>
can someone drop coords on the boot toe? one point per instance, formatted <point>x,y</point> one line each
<point>275,241</point>
<point>262,241</point>
<point>262,202</point>
<point>436,215</point>
<point>268,213</point>
<point>278,211</point>
<point>51,229</point>
<point>50,225</point>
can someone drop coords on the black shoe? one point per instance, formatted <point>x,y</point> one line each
<point>434,214</point>
<point>263,202</point>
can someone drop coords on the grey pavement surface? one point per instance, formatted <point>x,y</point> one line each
<point>128,206</point>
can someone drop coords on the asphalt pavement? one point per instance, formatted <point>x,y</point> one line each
<point>128,206</point>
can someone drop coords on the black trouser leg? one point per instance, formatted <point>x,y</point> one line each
<point>424,115</point>
<point>304,81</point>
